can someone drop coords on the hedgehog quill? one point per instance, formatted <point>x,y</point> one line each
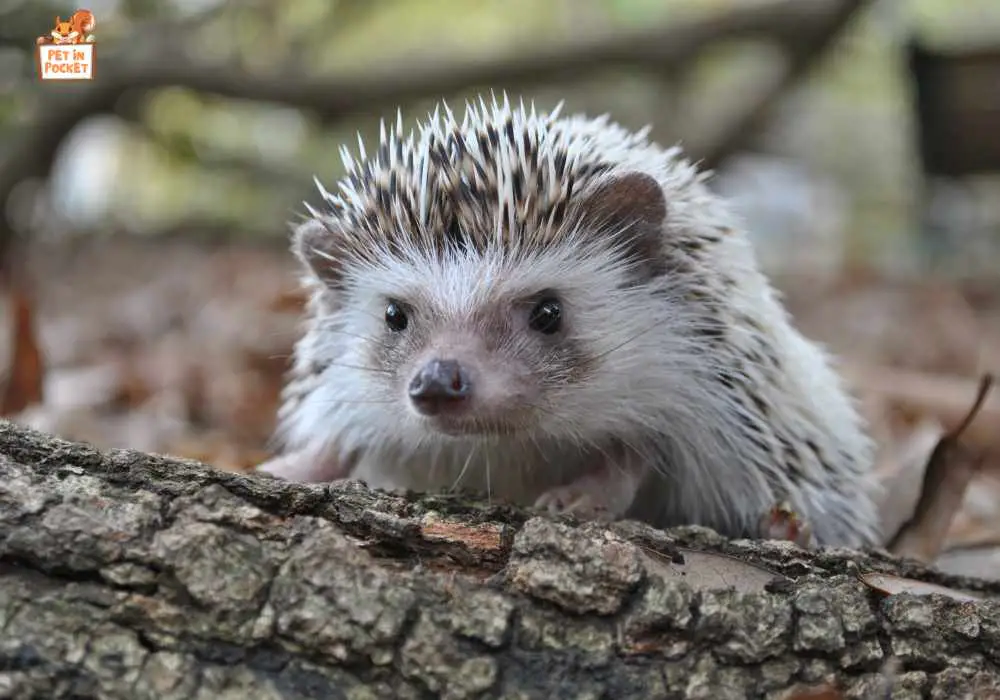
<point>555,311</point>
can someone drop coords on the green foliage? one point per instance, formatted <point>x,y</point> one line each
<point>968,20</point>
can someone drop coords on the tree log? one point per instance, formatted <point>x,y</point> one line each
<point>128,575</point>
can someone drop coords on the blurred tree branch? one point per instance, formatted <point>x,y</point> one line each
<point>804,29</point>
<point>801,52</point>
<point>245,167</point>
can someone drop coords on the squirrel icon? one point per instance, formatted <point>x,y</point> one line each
<point>76,30</point>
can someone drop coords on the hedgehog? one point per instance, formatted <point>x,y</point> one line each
<point>557,312</point>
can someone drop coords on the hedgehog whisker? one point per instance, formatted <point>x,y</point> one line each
<point>366,338</point>
<point>345,365</point>
<point>489,485</point>
<point>630,339</point>
<point>378,317</point>
<point>465,467</point>
<point>562,420</point>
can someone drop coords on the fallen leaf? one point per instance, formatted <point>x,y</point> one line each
<point>900,471</point>
<point>949,470</point>
<point>893,585</point>
<point>709,570</point>
<point>27,372</point>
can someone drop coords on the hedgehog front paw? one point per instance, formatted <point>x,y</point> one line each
<point>578,499</point>
<point>304,466</point>
<point>781,522</point>
<point>603,492</point>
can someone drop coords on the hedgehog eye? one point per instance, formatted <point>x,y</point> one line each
<point>395,317</point>
<point>546,316</point>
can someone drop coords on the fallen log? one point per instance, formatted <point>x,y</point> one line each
<point>128,575</point>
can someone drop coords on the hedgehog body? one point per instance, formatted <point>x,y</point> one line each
<point>556,311</point>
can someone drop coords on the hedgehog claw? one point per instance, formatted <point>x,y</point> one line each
<point>576,499</point>
<point>304,466</point>
<point>782,523</point>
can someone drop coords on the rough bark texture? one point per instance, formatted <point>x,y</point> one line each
<point>126,575</point>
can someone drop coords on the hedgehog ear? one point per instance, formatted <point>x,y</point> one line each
<point>630,208</point>
<point>316,244</point>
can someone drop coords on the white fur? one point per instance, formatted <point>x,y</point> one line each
<point>654,393</point>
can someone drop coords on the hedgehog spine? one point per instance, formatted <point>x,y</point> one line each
<point>673,389</point>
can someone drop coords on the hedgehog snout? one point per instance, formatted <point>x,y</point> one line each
<point>439,386</point>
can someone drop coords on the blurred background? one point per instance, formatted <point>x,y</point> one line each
<point>152,302</point>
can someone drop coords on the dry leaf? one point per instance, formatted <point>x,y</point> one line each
<point>710,570</point>
<point>900,471</point>
<point>949,470</point>
<point>27,372</point>
<point>892,585</point>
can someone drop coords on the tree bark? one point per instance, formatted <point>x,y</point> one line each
<point>127,575</point>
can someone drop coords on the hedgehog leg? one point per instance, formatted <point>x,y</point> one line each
<point>782,523</point>
<point>606,491</point>
<point>305,465</point>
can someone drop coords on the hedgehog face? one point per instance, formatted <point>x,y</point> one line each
<point>472,345</point>
<point>492,341</point>
<point>477,370</point>
<point>482,276</point>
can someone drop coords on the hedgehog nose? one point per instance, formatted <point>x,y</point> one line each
<point>440,384</point>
